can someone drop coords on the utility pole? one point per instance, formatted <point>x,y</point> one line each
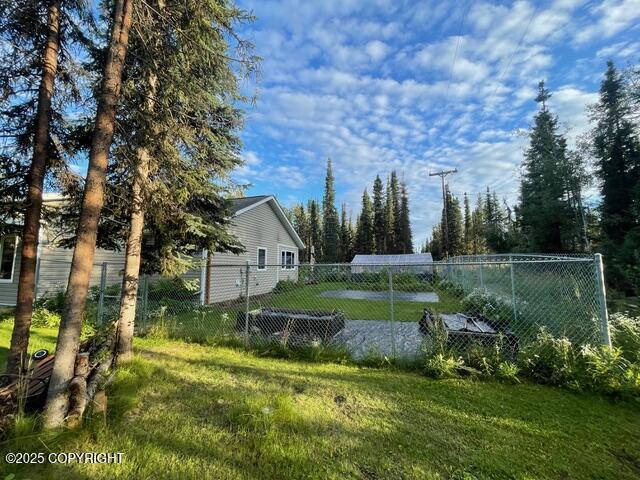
<point>442,174</point>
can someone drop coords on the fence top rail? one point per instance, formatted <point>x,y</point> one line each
<point>549,256</point>
<point>440,263</point>
<point>396,265</point>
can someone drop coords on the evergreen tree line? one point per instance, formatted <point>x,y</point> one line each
<point>148,93</point>
<point>551,215</point>
<point>382,227</point>
<point>489,227</point>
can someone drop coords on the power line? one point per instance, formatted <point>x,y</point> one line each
<point>513,54</point>
<point>465,12</point>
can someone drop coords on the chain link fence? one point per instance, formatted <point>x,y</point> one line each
<point>375,310</point>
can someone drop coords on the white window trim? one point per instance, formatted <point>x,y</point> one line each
<point>13,263</point>
<point>266,259</point>
<point>291,249</point>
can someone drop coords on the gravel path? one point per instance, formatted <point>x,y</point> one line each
<point>365,336</point>
<point>368,295</point>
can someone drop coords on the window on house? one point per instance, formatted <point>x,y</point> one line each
<point>262,258</point>
<point>288,259</point>
<point>7,257</point>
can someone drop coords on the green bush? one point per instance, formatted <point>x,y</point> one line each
<point>625,333</point>
<point>43,317</point>
<point>286,286</point>
<point>605,369</point>
<point>486,359</point>
<point>549,360</point>
<point>443,365</point>
<point>174,289</point>
<point>53,302</point>
<point>451,287</point>
<point>488,305</point>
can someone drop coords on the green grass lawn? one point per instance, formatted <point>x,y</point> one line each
<point>309,297</point>
<point>192,411</point>
<point>217,322</point>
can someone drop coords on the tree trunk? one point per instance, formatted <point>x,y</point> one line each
<point>31,229</point>
<point>92,202</point>
<point>131,277</point>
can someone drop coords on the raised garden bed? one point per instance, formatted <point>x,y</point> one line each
<point>290,323</point>
<point>464,331</point>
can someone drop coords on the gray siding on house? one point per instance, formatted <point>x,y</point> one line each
<point>55,263</point>
<point>258,227</point>
<point>9,290</point>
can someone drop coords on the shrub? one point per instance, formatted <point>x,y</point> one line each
<point>53,302</point>
<point>508,372</point>
<point>486,359</point>
<point>174,288</point>
<point>605,369</point>
<point>451,287</point>
<point>625,333</point>
<point>43,317</point>
<point>549,360</point>
<point>488,305</point>
<point>443,365</point>
<point>285,286</point>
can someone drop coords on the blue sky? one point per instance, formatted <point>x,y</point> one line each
<point>417,86</point>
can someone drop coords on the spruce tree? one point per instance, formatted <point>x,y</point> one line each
<point>301,224</point>
<point>406,242</point>
<point>436,243</point>
<point>33,35</point>
<point>315,231</point>
<point>379,216</point>
<point>455,244</point>
<point>330,222</point>
<point>389,220</point>
<point>92,203</point>
<point>468,240</point>
<point>346,238</point>
<point>547,218</point>
<point>617,153</point>
<point>397,216</point>
<point>364,230</point>
<point>478,243</point>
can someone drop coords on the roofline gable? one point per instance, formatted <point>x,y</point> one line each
<point>279,213</point>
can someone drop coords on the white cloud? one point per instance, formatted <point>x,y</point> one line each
<point>371,84</point>
<point>611,17</point>
<point>377,50</point>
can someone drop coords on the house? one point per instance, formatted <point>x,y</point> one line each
<point>271,245</point>
<point>409,262</point>
<point>259,223</point>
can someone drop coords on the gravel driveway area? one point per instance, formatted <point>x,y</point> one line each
<point>367,295</point>
<point>365,336</point>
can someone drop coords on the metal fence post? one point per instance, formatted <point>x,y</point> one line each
<point>246,308</point>
<point>601,293</point>
<point>35,289</point>
<point>513,289</point>
<point>103,284</point>
<point>392,314</point>
<point>481,277</point>
<point>145,300</point>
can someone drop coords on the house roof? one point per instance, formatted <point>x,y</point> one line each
<point>395,259</point>
<point>238,206</point>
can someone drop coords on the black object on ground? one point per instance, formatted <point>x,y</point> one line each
<point>287,323</point>
<point>464,331</point>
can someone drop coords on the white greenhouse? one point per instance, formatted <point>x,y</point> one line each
<point>410,262</point>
